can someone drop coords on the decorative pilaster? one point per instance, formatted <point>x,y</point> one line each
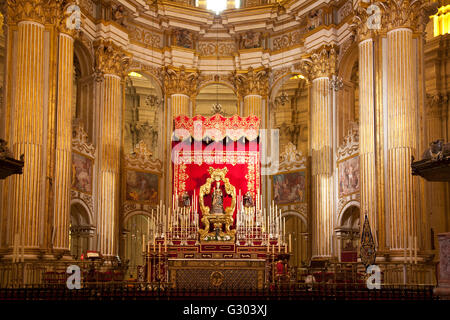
<point>253,86</point>
<point>180,85</point>
<point>111,64</point>
<point>323,66</point>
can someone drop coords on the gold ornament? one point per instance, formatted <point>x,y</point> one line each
<point>253,82</point>
<point>110,59</point>
<point>180,81</point>
<point>323,62</point>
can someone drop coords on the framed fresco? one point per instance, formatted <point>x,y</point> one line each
<point>142,186</point>
<point>82,167</point>
<point>349,176</point>
<point>289,188</point>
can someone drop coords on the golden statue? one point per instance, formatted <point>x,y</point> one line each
<point>217,218</point>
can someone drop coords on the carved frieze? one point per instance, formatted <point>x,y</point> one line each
<point>145,37</point>
<point>287,40</point>
<point>212,48</point>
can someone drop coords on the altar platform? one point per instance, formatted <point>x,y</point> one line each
<point>213,265</point>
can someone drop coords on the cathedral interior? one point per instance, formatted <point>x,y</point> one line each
<point>254,144</point>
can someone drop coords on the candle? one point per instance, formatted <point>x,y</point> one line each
<point>415,249</point>
<point>290,244</point>
<point>159,247</point>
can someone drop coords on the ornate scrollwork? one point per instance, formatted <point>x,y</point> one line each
<point>141,158</point>
<point>252,82</point>
<point>324,62</point>
<point>180,81</point>
<point>110,58</point>
<point>292,158</point>
<point>350,146</point>
<point>80,141</point>
<point>217,220</point>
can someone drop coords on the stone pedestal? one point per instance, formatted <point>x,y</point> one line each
<point>443,289</point>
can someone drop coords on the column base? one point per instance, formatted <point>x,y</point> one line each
<point>399,256</point>
<point>442,292</point>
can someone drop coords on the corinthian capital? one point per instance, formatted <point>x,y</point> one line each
<point>366,20</point>
<point>180,81</point>
<point>110,58</point>
<point>412,14</point>
<point>252,82</point>
<point>323,62</point>
<point>40,11</point>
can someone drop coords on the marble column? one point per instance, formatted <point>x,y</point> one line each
<point>111,63</point>
<point>322,153</point>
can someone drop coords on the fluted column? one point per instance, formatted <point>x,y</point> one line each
<point>180,84</point>
<point>111,63</point>
<point>402,19</point>
<point>252,105</point>
<point>63,162</point>
<point>24,196</point>
<point>367,132</point>
<point>180,104</point>
<point>322,152</point>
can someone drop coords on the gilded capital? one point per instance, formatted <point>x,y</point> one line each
<point>69,21</point>
<point>323,62</point>
<point>366,21</point>
<point>253,82</point>
<point>110,58</point>
<point>412,14</point>
<point>40,11</point>
<point>180,81</point>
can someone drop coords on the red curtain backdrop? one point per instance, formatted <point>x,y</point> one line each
<point>191,167</point>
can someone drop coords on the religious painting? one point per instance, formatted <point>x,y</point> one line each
<point>141,186</point>
<point>82,173</point>
<point>349,176</point>
<point>289,187</point>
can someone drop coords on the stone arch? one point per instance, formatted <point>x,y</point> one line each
<point>82,230</point>
<point>347,232</point>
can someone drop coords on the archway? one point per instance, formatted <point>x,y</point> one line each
<point>297,229</point>
<point>83,88</point>
<point>137,231</point>
<point>143,113</point>
<point>81,230</point>
<point>348,234</point>
<point>214,94</point>
<point>289,110</point>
